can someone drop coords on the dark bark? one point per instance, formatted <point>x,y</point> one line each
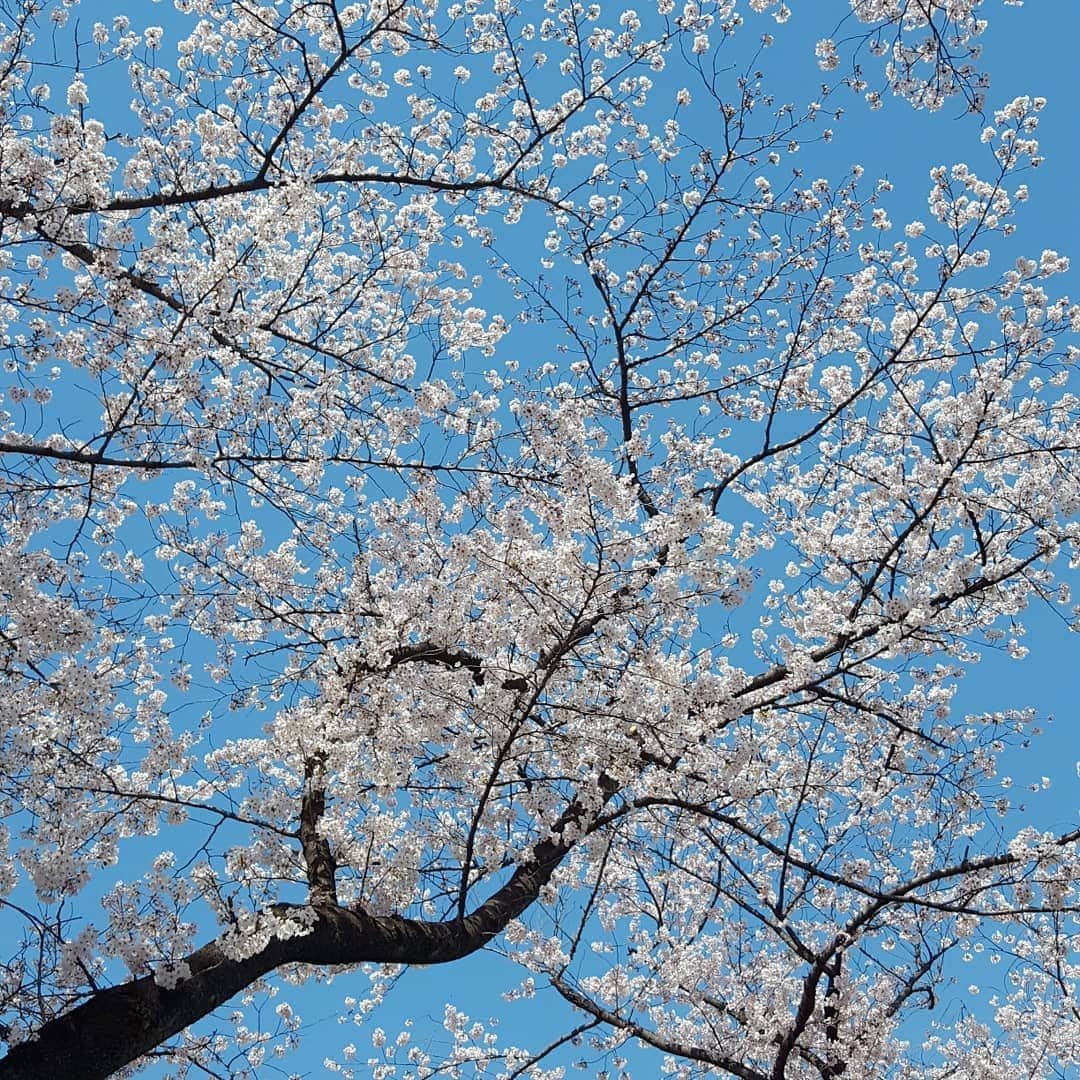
<point>116,1026</point>
<point>318,858</point>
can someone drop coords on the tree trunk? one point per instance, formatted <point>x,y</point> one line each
<point>114,1027</point>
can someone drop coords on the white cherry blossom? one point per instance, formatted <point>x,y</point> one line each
<point>463,487</point>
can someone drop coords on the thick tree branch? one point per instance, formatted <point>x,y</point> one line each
<point>116,1026</point>
<point>318,858</point>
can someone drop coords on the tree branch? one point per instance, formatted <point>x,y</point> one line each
<point>118,1025</point>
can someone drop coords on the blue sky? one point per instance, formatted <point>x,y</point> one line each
<point>1028,50</point>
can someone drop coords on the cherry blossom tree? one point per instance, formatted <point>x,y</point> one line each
<point>462,489</point>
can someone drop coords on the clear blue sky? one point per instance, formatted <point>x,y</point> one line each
<point>1028,50</point>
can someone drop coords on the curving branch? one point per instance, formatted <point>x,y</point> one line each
<point>118,1025</point>
<point>652,1038</point>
